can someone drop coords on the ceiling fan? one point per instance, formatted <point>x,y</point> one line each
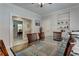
<point>42,4</point>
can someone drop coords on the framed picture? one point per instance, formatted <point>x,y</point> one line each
<point>37,22</point>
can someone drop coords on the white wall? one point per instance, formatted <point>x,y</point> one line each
<point>74,18</point>
<point>49,22</point>
<point>6,28</point>
<point>49,25</point>
<point>1,21</point>
<point>50,19</point>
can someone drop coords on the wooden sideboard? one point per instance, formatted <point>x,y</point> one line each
<point>57,36</point>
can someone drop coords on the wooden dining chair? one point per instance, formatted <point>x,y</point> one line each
<point>3,50</point>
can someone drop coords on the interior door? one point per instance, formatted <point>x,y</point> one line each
<point>47,28</point>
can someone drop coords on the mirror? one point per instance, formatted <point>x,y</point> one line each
<point>17,30</point>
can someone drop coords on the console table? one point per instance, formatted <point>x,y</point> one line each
<point>57,36</point>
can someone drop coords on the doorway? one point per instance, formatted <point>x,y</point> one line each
<point>21,27</point>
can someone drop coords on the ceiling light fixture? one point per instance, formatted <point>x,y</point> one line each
<point>42,4</point>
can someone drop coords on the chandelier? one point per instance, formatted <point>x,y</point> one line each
<point>42,4</point>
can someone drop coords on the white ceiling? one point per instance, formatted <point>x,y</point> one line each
<point>47,8</point>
